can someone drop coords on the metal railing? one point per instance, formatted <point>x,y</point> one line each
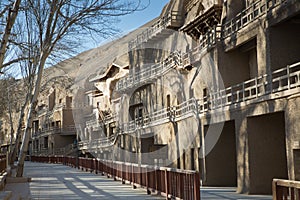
<point>206,41</point>
<point>286,189</point>
<point>172,19</point>
<point>173,183</point>
<point>248,15</point>
<point>149,73</point>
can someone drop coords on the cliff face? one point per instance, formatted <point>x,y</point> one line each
<point>67,78</point>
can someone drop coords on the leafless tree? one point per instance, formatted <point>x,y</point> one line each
<point>58,25</point>
<point>10,10</point>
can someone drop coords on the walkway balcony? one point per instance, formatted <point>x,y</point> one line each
<point>49,113</point>
<point>69,149</point>
<point>172,20</point>
<point>67,130</point>
<point>248,15</point>
<point>206,42</point>
<point>147,75</point>
<point>98,143</point>
<point>282,80</point>
<point>96,124</point>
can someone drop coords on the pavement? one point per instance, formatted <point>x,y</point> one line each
<point>218,193</point>
<point>55,181</point>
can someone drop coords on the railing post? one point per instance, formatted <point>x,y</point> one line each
<point>166,184</point>
<point>276,195</point>
<point>256,87</point>
<point>288,76</point>
<point>197,186</point>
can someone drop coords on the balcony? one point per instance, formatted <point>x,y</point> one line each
<point>67,130</point>
<point>205,42</point>
<point>49,113</point>
<point>149,74</point>
<point>207,17</point>
<point>248,15</point>
<point>282,80</point>
<point>69,149</point>
<point>95,144</point>
<point>172,20</point>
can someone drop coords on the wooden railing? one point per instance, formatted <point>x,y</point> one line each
<point>248,15</point>
<point>3,164</point>
<point>172,183</point>
<point>286,189</point>
<point>206,41</point>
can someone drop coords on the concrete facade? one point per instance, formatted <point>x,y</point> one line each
<point>54,130</point>
<point>210,85</point>
<point>220,79</point>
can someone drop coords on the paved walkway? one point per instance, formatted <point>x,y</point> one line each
<point>54,181</point>
<point>214,193</point>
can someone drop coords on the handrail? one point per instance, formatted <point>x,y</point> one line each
<point>282,79</point>
<point>205,41</point>
<point>248,15</point>
<point>56,151</point>
<point>149,73</point>
<point>156,27</point>
<point>172,183</point>
<point>55,130</point>
<point>285,189</point>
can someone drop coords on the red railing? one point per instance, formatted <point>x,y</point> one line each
<point>172,183</point>
<point>286,189</point>
<point>2,163</point>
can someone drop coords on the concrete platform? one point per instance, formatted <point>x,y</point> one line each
<point>51,181</point>
<point>215,193</point>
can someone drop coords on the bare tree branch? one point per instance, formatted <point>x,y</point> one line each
<point>12,15</point>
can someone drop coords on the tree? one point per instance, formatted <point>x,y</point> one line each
<point>13,9</point>
<point>56,24</point>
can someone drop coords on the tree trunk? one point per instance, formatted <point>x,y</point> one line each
<point>33,103</point>
<point>11,122</point>
<point>13,153</point>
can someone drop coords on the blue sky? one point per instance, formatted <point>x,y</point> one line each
<point>137,19</point>
<point>133,21</point>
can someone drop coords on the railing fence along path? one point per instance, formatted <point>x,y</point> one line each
<point>286,189</point>
<point>173,183</point>
<point>3,163</point>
